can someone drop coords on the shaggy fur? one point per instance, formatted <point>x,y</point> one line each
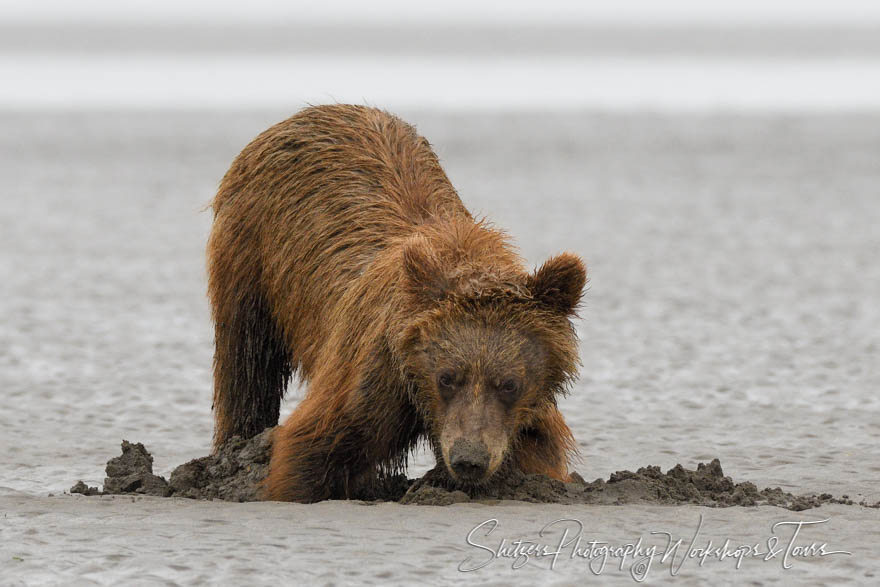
<point>341,252</point>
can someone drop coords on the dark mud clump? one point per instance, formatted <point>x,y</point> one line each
<point>235,473</point>
<point>84,489</point>
<point>706,486</point>
<point>132,472</point>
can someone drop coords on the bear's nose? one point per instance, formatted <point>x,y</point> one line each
<point>469,460</point>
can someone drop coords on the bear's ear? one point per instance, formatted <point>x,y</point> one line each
<point>424,278</point>
<point>559,283</point>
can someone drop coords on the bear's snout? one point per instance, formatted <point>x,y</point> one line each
<point>469,460</point>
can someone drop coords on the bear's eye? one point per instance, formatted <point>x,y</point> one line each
<point>509,387</point>
<point>446,379</point>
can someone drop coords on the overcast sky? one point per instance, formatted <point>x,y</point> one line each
<point>98,54</point>
<point>772,12</point>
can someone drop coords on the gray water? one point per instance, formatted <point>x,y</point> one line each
<point>732,312</point>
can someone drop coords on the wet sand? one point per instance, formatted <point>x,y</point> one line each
<point>732,314</point>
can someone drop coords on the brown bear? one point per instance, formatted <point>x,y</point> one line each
<point>341,252</point>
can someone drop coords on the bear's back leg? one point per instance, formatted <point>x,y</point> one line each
<point>251,371</point>
<point>252,364</point>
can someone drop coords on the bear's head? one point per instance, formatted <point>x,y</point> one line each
<point>487,351</point>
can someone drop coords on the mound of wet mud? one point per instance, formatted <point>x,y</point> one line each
<point>236,470</point>
<point>233,473</point>
<point>706,486</point>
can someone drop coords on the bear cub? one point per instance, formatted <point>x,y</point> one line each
<point>341,253</point>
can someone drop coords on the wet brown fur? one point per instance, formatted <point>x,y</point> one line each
<point>339,248</point>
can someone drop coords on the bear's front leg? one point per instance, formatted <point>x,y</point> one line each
<point>318,453</point>
<point>334,446</point>
<point>544,448</point>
